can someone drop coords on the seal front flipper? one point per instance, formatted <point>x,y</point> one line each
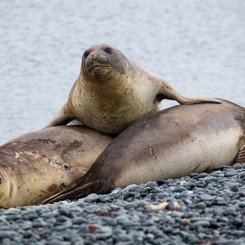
<point>168,92</point>
<point>61,118</point>
<point>240,158</point>
<point>79,189</point>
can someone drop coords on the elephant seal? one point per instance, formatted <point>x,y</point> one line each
<point>167,144</point>
<point>112,92</point>
<point>40,164</point>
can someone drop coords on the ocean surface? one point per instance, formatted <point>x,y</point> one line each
<point>198,46</point>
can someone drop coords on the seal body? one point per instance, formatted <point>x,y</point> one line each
<point>167,144</point>
<point>112,92</point>
<point>40,164</point>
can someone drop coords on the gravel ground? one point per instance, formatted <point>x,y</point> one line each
<point>196,209</point>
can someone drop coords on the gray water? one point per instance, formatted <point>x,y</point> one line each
<point>198,46</point>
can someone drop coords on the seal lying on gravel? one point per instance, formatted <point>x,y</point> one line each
<point>39,164</point>
<point>112,92</point>
<point>167,144</point>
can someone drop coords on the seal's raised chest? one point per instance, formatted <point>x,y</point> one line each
<point>109,111</point>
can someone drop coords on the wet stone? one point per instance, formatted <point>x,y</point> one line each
<point>234,188</point>
<point>217,173</point>
<point>78,221</point>
<point>200,223</point>
<point>201,205</point>
<point>27,234</point>
<point>242,176</point>
<point>156,190</point>
<point>230,173</point>
<point>202,175</point>
<point>220,201</point>
<point>237,222</point>
<point>230,211</point>
<point>179,189</point>
<point>133,188</point>
<point>11,217</point>
<point>103,232</point>
<point>83,229</point>
<point>150,236</point>
<point>155,231</point>
<point>151,184</point>
<point>223,219</point>
<point>242,204</point>
<point>206,197</point>
<point>53,242</point>
<point>241,193</point>
<point>201,184</point>
<point>26,225</point>
<point>65,212</point>
<point>128,195</point>
<point>6,234</point>
<point>181,195</point>
<point>31,216</point>
<point>140,204</point>
<point>194,175</point>
<point>123,238</point>
<point>39,223</point>
<point>190,185</point>
<point>162,195</point>
<point>91,197</point>
<point>109,221</point>
<point>137,236</point>
<point>209,179</point>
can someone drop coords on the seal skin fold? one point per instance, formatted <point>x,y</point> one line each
<point>37,165</point>
<point>167,144</point>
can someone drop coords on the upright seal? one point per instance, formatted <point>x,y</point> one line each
<point>112,92</point>
<point>166,144</point>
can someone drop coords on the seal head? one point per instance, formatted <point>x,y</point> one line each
<point>100,61</point>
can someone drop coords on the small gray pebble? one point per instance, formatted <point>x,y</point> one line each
<point>151,184</point>
<point>234,188</point>
<point>6,234</point>
<point>201,205</point>
<point>123,238</point>
<point>200,223</point>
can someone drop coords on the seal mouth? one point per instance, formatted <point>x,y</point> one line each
<point>94,67</point>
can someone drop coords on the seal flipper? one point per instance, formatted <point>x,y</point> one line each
<point>240,157</point>
<point>60,118</point>
<point>166,91</point>
<point>71,194</point>
<point>78,190</point>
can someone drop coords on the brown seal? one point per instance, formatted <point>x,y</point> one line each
<point>111,92</point>
<point>166,144</point>
<point>40,164</point>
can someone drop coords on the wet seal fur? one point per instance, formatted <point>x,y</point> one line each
<point>167,144</point>
<point>37,165</point>
<point>112,92</point>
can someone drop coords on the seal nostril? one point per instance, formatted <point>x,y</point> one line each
<point>108,50</point>
<point>86,54</point>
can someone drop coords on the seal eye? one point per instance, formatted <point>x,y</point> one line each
<point>86,54</point>
<point>108,50</point>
